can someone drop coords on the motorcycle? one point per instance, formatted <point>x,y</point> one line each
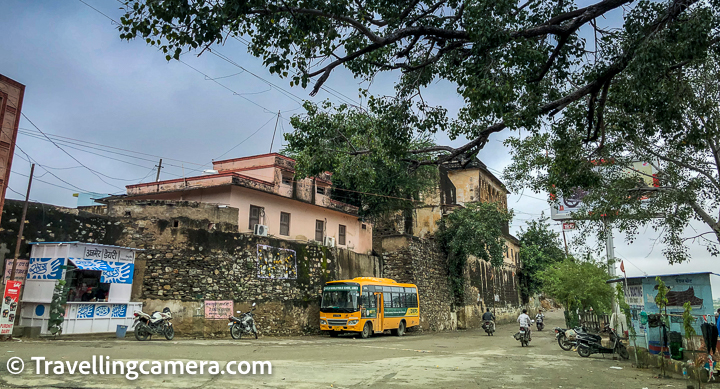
<point>589,344</point>
<point>488,327</point>
<point>524,335</point>
<point>148,325</point>
<point>539,323</point>
<point>567,338</point>
<point>244,323</point>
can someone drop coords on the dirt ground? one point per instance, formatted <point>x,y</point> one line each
<point>463,359</point>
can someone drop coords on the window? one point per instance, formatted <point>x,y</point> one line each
<point>341,235</point>
<point>320,190</point>
<point>176,223</point>
<point>319,230</point>
<point>364,227</point>
<point>387,300</point>
<point>286,180</point>
<point>255,215</point>
<point>284,223</point>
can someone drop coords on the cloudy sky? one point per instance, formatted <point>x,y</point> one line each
<point>114,108</point>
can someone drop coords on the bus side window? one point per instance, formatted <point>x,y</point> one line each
<point>387,300</point>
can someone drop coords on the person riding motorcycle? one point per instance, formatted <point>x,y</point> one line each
<point>524,321</point>
<point>489,316</point>
<point>539,315</point>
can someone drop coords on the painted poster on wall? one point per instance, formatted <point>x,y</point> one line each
<point>9,307</point>
<point>218,309</point>
<point>20,270</point>
<point>276,263</point>
<point>45,268</point>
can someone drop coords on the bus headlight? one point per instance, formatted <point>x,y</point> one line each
<point>323,322</point>
<point>352,322</point>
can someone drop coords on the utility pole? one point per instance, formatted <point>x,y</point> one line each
<point>609,247</point>
<point>565,240</point>
<point>273,138</point>
<point>159,166</point>
<point>22,225</point>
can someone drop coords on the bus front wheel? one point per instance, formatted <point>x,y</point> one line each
<point>400,331</point>
<point>367,330</point>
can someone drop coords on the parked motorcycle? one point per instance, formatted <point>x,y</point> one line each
<point>158,323</point>
<point>589,344</point>
<point>488,327</point>
<point>524,335</point>
<point>244,323</point>
<point>567,338</point>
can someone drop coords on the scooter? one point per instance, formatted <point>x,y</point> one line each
<point>488,327</point>
<point>589,344</point>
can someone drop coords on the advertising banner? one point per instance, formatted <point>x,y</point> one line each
<point>9,307</point>
<point>20,269</point>
<point>634,296</point>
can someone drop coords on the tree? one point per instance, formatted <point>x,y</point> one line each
<point>380,182</point>
<point>578,284</point>
<point>515,64</point>
<point>672,124</point>
<point>661,301</point>
<point>475,230</point>
<point>539,248</point>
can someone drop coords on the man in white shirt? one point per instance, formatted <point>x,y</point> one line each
<point>524,321</point>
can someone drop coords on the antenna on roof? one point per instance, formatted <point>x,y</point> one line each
<point>273,138</point>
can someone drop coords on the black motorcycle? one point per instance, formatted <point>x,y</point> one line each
<point>244,323</point>
<point>156,324</point>
<point>589,344</point>
<point>566,343</point>
<point>539,323</point>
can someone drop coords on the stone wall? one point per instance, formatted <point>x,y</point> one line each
<point>192,253</point>
<point>419,261</point>
<point>410,259</point>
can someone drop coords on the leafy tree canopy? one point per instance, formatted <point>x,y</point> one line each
<point>515,64</point>
<point>670,123</point>
<point>540,247</point>
<point>578,284</point>
<point>337,140</point>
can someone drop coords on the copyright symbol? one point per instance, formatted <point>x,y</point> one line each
<point>15,365</point>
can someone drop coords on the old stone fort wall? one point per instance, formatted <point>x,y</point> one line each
<point>192,253</point>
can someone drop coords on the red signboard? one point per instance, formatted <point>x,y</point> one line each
<point>567,226</point>
<point>9,307</point>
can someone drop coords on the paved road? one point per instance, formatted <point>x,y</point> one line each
<point>463,359</point>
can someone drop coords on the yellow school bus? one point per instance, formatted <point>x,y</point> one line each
<point>369,305</point>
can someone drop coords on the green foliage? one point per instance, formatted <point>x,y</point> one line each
<point>511,64</point>
<point>475,230</point>
<point>688,320</point>
<point>661,298</point>
<point>671,123</point>
<point>540,247</point>
<point>578,284</point>
<point>57,308</point>
<point>334,141</point>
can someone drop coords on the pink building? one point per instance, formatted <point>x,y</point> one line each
<point>263,189</point>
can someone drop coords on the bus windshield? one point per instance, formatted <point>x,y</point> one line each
<point>340,298</point>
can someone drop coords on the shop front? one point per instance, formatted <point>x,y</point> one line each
<point>99,280</point>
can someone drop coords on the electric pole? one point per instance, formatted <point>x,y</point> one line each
<point>159,166</point>
<point>22,225</point>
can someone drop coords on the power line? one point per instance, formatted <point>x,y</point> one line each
<point>251,135</point>
<point>84,148</point>
<point>84,142</point>
<point>97,174</point>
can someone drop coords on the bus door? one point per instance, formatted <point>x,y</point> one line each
<point>378,327</point>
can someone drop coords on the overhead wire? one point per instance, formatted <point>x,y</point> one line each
<point>250,136</point>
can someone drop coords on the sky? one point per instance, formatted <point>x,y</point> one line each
<point>113,108</point>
